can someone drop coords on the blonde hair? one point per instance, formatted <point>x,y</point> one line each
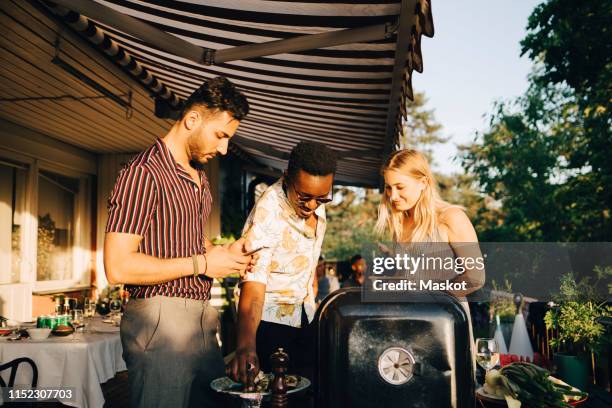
<point>426,211</point>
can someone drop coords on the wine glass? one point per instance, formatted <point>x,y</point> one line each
<point>487,353</point>
<point>78,322</point>
<point>86,303</point>
<point>115,307</point>
<point>92,309</point>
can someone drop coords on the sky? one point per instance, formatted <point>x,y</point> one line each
<point>472,61</point>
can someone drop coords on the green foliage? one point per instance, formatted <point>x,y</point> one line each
<point>573,41</point>
<point>223,239</point>
<point>576,316</point>
<point>461,189</point>
<point>603,273</point>
<point>350,223</point>
<point>111,292</point>
<point>421,130</point>
<point>517,163</point>
<point>544,158</point>
<point>500,305</point>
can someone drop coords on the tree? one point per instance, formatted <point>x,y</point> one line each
<point>544,156</point>
<point>572,41</point>
<point>421,130</point>
<point>461,189</point>
<point>350,223</point>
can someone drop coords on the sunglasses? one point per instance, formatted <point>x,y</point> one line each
<point>304,198</point>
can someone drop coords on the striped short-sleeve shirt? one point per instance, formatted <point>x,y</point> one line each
<point>156,198</point>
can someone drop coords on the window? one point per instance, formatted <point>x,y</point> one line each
<point>57,201</point>
<point>12,201</point>
<point>45,224</point>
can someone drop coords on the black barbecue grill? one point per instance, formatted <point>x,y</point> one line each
<point>411,354</point>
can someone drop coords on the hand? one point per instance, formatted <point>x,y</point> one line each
<point>243,246</point>
<point>244,367</point>
<point>239,246</point>
<point>221,262</point>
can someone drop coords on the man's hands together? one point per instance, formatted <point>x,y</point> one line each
<point>228,259</point>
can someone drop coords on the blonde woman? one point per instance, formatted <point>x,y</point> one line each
<point>412,211</point>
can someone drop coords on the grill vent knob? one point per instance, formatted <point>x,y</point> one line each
<point>396,365</point>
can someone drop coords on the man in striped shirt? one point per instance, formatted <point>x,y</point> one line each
<point>155,245</point>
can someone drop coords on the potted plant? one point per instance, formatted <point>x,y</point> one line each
<point>575,316</point>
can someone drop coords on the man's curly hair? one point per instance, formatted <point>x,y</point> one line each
<point>313,157</point>
<point>218,94</point>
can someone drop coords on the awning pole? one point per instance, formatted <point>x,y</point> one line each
<point>406,22</point>
<point>137,28</point>
<point>306,42</point>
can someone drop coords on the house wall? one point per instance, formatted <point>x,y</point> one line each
<point>58,123</point>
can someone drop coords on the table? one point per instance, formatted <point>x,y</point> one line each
<point>597,398</point>
<point>83,364</point>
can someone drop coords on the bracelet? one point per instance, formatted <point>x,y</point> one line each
<point>196,268</point>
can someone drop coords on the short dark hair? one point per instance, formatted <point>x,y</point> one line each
<point>313,157</point>
<point>218,94</point>
<point>355,258</point>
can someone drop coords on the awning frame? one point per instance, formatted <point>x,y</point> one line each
<point>407,20</point>
<point>414,20</point>
<point>207,56</point>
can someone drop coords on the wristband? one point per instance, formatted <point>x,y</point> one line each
<point>196,268</point>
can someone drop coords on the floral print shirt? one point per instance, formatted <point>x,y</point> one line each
<point>287,266</point>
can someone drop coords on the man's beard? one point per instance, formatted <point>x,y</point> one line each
<point>194,151</point>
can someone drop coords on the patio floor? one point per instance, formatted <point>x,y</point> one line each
<point>116,393</point>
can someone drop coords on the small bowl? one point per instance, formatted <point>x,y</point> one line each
<point>39,334</point>
<point>5,331</point>
<point>63,330</point>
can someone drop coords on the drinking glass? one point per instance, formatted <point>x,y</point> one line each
<point>115,307</point>
<point>90,308</point>
<point>487,353</point>
<point>78,322</point>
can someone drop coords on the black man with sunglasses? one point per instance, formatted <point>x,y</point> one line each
<point>277,299</point>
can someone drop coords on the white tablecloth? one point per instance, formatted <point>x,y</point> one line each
<point>83,363</point>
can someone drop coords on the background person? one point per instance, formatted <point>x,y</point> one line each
<point>326,283</point>
<point>358,268</point>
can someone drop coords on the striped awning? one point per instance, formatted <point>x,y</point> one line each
<point>350,96</point>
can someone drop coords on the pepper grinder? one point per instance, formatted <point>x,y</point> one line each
<point>279,362</point>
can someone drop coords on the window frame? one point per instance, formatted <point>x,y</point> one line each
<point>83,223</point>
